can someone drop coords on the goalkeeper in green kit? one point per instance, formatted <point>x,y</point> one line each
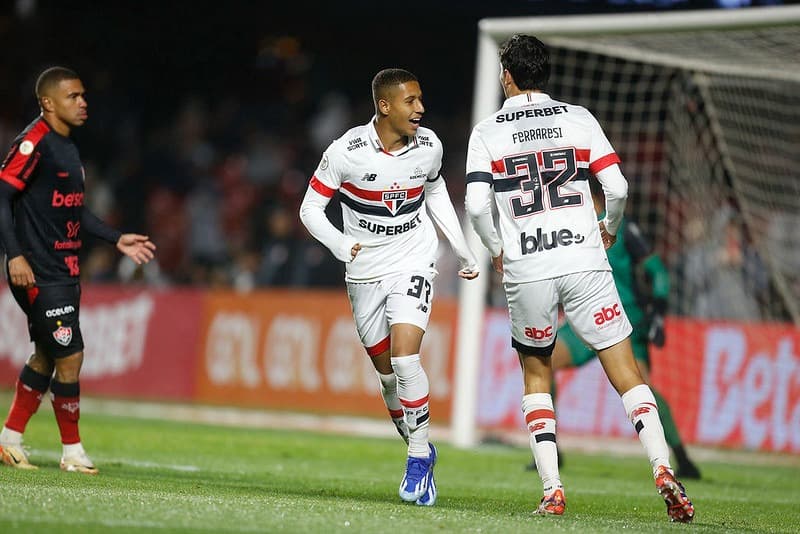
<point>630,259</point>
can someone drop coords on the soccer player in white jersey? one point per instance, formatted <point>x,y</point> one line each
<point>536,154</point>
<point>387,175</point>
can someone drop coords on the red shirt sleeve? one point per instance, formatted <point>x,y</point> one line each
<point>23,157</point>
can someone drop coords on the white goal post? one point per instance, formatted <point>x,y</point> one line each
<point>743,66</point>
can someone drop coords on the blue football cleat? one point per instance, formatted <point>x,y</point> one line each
<point>417,484</point>
<point>429,497</point>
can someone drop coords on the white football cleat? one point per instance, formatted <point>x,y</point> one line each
<point>78,463</point>
<point>14,455</point>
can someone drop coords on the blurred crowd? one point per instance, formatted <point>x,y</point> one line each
<point>217,184</point>
<point>215,176</point>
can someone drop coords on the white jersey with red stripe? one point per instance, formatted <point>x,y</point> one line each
<point>382,196</point>
<point>536,153</point>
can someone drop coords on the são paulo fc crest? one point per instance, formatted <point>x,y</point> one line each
<point>394,199</point>
<point>63,334</point>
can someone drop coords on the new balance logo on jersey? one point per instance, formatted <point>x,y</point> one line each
<point>536,333</point>
<point>369,177</point>
<point>394,199</point>
<point>607,314</point>
<point>540,242</point>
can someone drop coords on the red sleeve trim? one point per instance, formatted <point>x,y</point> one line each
<point>321,188</point>
<point>16,183</point>
<point>582,154</point>
<point>18,164</point>
<point>601,163</point>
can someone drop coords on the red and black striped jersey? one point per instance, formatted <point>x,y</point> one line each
<point>47,172</point>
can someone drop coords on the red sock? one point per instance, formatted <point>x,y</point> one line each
<point>30,388</point>
<point>67,407</point>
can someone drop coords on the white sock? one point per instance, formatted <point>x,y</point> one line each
<point>392,402</point>
<point>541,420</point>
<point>413,390</point>
<point>10,437</point>
<point>73,449</point>
<point>642,410</point>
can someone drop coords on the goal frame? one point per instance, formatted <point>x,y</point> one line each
<point>487,99</point>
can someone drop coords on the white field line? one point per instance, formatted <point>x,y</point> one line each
<point>50,455</point>
<point>381,428</point>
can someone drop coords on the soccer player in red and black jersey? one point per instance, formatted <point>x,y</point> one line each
<point>42,220</point>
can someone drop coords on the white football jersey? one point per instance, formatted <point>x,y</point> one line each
<point>383,199</point>
<point>537,153</point>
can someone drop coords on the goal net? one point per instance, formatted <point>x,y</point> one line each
<point>703,108</point>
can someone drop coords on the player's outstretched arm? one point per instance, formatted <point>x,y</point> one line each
<point>441,210</point>
<point>137,247</point>
<point>312,215</point>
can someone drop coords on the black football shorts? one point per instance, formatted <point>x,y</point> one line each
<point>53,322</point>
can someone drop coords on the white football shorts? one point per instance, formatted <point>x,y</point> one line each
<point>401,298</point>
<point>591,305</point>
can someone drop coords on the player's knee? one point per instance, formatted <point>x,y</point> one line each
<point>67,369</point>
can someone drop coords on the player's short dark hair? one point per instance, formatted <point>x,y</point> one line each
<point>389,78</point>
<point>527,59</point>
<point>51,77</point>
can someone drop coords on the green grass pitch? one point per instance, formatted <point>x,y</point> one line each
<point>159,476</point>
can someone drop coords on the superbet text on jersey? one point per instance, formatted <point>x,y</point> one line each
<point>383,199</point>
<point>537,154</point>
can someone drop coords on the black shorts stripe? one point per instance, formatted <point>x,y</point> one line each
<point>527,350</point>
<point>381,211</point>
